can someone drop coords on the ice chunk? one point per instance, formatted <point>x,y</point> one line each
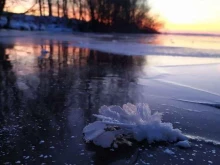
<point>22,86</point>
<point>168,151</point>
<point>134,121</point>
<point>93,130</point>
<point>183,144</point>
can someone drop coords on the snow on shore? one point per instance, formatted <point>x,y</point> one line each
<point>29,23</point>
<point>131,121</point>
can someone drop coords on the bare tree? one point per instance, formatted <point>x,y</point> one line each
<point>40,7</point>
<point>65,9</point>
<point>49,2</point>
<point>2,5</point>
<point>121,15</point>
<point>58,8</point>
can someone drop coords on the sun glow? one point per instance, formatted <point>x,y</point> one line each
<point>186,15</point>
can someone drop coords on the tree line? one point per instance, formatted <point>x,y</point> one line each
<point>100,15</point>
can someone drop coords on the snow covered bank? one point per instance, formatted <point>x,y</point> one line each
<point>34,23</point>
<point>118,124</point>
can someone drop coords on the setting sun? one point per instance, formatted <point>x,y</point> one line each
<point>188,15</point>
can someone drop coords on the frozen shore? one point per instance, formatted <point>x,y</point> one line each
<point>46,101</point>
<point>33,23</point>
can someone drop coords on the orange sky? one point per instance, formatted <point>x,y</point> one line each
<point>181,15</point>
<point>189,15</point>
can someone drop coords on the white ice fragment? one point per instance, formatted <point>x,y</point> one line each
<point>115,145</point>
<point>191,160</point>
<point>41,156</point>
<point>18,162</point>
<point>105,140</point>
<point>6,163</point>
<point>22,85</point>
<point>210,162</point>
<point>183,144</point>
<point>143,162</point>
<point>27,157</point>
<point>41,142</point>
<point>93,130</point>
<point>150,156</point>
<point>133,120</point>
<point>168,151</point>
<point>52,147</point>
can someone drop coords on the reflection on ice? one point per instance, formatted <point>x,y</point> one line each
<point>131,121</point>
<point>53,98</point>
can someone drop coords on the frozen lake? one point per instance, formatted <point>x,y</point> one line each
<point>47,99</point>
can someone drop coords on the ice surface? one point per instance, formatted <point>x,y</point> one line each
<point>129,48</point>
<point>135,121</point>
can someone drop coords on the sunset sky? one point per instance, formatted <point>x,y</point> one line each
<point>189,15</point>
<point>185,15</point>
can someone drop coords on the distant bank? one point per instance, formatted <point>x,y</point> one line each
<point>62,24</point>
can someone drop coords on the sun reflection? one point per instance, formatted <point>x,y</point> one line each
<point>175,60</point>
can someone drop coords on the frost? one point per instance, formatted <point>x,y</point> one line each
<point>41,142</point>
<point>26,157</point>
<point>183,144</point>
<point>115,125</point>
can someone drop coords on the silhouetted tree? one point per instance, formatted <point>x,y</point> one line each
<point>58,8</point>
<point>49,2</point>
<point>65,9</point>
<point>2,5</point>
<point>120,16</point>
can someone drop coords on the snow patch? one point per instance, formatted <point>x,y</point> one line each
<point>115,125</point>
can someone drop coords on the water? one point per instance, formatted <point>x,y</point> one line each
<point>46,100</point>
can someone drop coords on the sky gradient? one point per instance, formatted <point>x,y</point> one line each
<point>188,15</point>
<point>198,16</point>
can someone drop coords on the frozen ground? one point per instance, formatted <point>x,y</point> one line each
<point>47,100</point>
<point>31,23</point>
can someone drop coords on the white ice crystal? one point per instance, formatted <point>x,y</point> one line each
<point>183,144</point>
<point>135,121</point>
<point>168,151</point>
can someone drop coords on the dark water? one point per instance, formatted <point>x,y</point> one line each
<point>45,102</point>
